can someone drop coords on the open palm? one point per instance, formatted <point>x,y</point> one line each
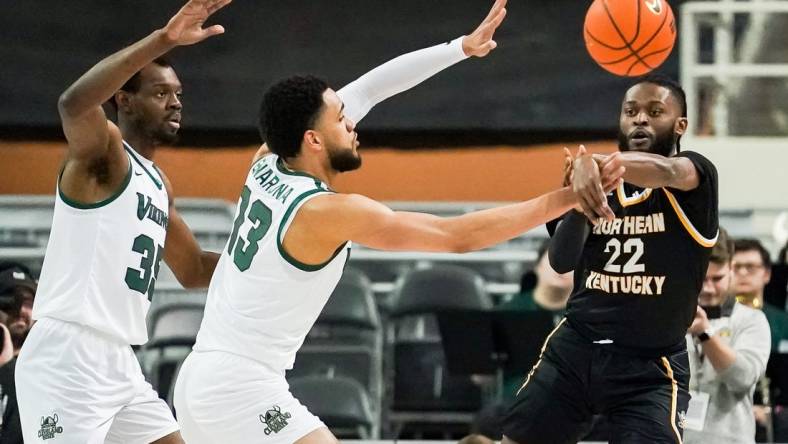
<point>480,42</point>
<point>185,27</point>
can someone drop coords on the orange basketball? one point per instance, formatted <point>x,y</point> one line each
<point>629,37</point>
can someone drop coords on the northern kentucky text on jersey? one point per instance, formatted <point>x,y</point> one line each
<point>630,276</point>
<point>632,225</point>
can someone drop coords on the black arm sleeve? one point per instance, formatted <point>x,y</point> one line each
<point>566,246</point>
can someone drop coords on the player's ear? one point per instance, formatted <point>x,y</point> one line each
<point>680,127</point>
<point>123,100</point>
<point>312,139</point>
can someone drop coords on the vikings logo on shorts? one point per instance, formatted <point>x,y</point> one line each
<point>275,420</point>
<point>49,427</point>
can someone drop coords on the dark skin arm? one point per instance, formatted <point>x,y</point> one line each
<point>96,163</point>
<point>192,266</point>
<point>649,170</point>
<point>642,169</point>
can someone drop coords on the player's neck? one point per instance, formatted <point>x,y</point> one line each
<point>311,166</point>
<point>550,298</point>
<point>144,145</point>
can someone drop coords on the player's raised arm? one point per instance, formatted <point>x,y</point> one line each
<point>408,70</point>
<point>87,130</point>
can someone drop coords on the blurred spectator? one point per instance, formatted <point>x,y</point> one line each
<point>549,293</point>
<point>776,291</point>
<point>17,290</point>
<point>476,439</point>
<point>540,290</point>
<point>728,346</point>
<point>752,268</point>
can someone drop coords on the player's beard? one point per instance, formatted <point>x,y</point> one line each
<point>343,160</point>
<point>664,144</point>
<point>159,134</point>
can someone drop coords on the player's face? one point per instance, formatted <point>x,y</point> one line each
<point>716,285</point>
<point>339,134</point>
<point>156,107</point>
<point>650,120</point>
<point>750,275</point>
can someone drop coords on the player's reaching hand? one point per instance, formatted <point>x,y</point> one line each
<point>587,185</point>
<point>185,27</point>
<point>612,169</point>
<point>480,42</point>
<point>568,160</point>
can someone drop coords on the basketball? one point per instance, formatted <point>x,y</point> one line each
<point>629,37</point>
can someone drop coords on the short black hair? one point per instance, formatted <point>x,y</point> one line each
<point>133,84</point>
<point>289,108</point>
<point>750,244</point>
<point>675,89</point>
<point>667,82</point>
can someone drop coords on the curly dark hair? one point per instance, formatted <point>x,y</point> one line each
<point>289,108</point>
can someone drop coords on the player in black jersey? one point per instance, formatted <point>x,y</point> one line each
<point>620,351</point>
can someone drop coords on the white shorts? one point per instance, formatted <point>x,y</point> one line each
<point>77,385</point>
<point>222,398</point>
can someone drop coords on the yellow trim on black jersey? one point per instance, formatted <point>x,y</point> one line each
<point>699,238</point>
<point>636,199</point>
<point>541,353</point>
<point>673,397</point>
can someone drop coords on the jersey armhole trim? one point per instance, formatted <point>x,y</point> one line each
<point>158,183</point>
<point>285,255</point>
<point>90,206</point>
<point>627,201</point>
<point>699,238</point>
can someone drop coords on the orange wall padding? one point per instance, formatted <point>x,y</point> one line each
<point>501,173</point>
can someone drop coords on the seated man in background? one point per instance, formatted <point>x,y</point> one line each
<point>752,268</point>
<point>17,290</point>
<point>542,289</point>
<point>549,294</point>
<point>752,271</point>
<point>728,347</point>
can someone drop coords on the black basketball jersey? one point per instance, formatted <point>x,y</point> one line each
<point>639,276</point>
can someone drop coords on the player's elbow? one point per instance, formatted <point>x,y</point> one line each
<point>66,104</point>
<point>192,283</point>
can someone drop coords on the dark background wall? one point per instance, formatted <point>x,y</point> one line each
<point>540,80</point>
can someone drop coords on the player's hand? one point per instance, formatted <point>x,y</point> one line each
<point>700,323</point>
<point>480,42</point>
<point>587,185</point>
<point>568,159</point>
<point>612,170</point>
<point>185,27</point>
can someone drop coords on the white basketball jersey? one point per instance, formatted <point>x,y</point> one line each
<point>262,302</point>
<point>102,259</point>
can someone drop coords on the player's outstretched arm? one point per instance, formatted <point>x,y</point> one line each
<point>192,266</point>
<point>408,70</point>
<point>649,170</point>
<point>87,130</point>
<point>334,219</point>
